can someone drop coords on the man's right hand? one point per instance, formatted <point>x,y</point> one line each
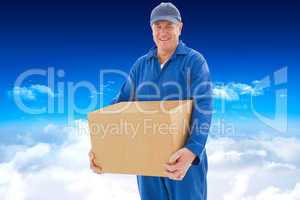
<point>95,168</point>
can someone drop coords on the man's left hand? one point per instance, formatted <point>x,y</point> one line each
<point>179,163</point>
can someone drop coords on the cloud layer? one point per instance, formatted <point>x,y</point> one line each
<point>232,91</point>
<point>247,169</point>
<point>253,169</point>
<point>31,92</point>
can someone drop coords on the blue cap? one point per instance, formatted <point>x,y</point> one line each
<point>165,11</point>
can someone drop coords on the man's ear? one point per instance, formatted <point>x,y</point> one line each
<point>152,29</point>
<point>180,27</point>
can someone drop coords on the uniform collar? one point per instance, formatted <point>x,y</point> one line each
<point>181,49</point>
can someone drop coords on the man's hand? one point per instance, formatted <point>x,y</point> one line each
<point>93,166</point>
<point>179,163</point>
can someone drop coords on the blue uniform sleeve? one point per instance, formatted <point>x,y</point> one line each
<point>201,93</point>
<point>127,91</point>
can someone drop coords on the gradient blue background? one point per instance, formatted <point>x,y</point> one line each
<point>242,41</point>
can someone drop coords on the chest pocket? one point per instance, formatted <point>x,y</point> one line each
<point>174,82</point>
<point>170,83</point>
<point>148,87</point>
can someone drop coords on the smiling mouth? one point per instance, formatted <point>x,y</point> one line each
<point>164,40</point>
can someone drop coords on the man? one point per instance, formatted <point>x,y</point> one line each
<point>172,71</point>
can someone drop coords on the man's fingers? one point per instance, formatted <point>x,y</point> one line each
<point>177,175</point>
<point>91,154</point>
<point>169,168</point>
<point>179,165</point>
<point>172,168</point>
<point>94,162</point>
<point>175,172</point>
<point>95,168</point>
<point>174,157</point>
<point>93,165</point>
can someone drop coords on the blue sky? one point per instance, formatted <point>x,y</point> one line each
<point>243,42</point>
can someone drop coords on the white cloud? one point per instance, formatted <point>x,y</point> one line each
<point>30,157</point>
<point>285,149</point>
<point>247,168</point>
<point>243,88</point>
<point>239,186</point>
<point>275,193</point>
<point>23,92</point>
<point>48,171</point>
<point>232,91</point>
<point>226,93</point>
<point>25,138</point>
<point>239,169</point>
<point>31,92</point>
<point>50,128</point>
<point>42,89</point>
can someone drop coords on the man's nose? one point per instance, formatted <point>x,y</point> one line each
<point>163,32</point>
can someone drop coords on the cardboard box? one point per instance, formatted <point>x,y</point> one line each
<point>139,137</point>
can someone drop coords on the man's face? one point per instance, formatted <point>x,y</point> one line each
<point>166,34</point>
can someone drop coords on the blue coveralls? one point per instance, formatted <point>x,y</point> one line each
<point>188,69</point>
